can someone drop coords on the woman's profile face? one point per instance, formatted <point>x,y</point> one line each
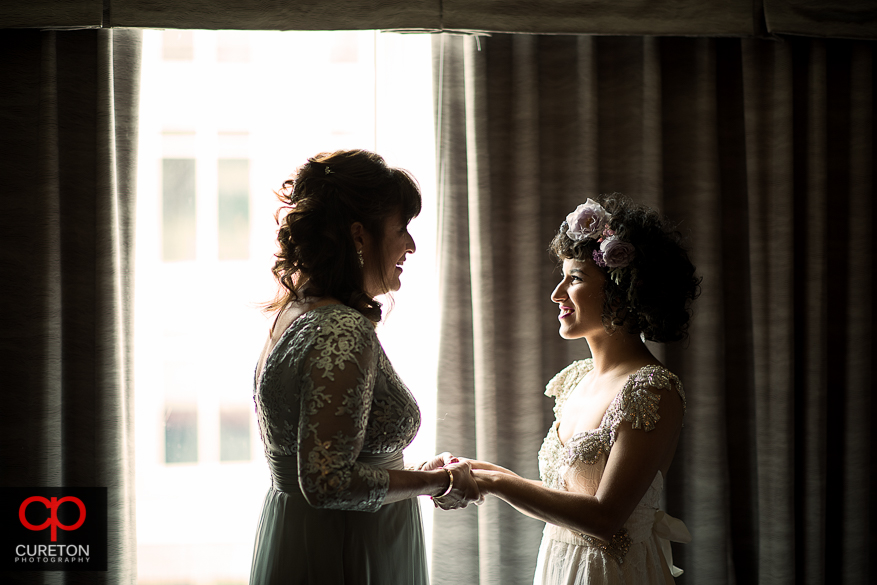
<point>397,244</point>
<point>579,296</point>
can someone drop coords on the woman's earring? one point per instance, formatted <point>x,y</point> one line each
<point>361,261</point>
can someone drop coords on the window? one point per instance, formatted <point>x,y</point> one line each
<point>177,45</point>
<point>233,195</point>
<point>233,46</point>
<point>345,48</point>
<point>234,433</point>
<point>178,192</point>
<point>181,435</point>
<point>178,209</point>
<point>234,208</point>
<point>225,118</point>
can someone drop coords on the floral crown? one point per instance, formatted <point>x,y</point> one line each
<point>590,221</point>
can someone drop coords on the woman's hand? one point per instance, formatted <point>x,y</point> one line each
<point>466,472</point>
<point>464,489</point>
<point>444,459</point>
<point>475,464</point>
<point>484,478</point>
<point>439,461</point>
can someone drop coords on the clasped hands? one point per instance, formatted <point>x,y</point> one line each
<point>465,488</point>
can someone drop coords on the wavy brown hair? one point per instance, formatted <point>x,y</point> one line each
<point>319,203</point>
<point>653,294</point>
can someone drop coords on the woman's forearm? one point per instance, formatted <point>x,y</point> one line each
<point>577,512</point>
<point>488,466</point>
<point>405,484</point>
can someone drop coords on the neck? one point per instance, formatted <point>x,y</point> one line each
<point>619,350</point>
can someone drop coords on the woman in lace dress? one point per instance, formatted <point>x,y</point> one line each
<point>333,415</point>
<point>625,279</point>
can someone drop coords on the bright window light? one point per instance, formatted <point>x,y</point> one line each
<point>225,117</point>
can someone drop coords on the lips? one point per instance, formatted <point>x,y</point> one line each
<point>565,312</point>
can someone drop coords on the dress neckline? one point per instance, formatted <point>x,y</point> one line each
<point>576,436</point>
<point>589,362</point>
<point>582,434</point>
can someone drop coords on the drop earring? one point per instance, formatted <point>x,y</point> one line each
<point>361,261</point>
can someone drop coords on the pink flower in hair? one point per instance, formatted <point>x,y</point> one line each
<point>587,221</point>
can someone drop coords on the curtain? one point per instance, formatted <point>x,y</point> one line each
<point>763,151</point>
<point>67,154</point>
<point>828,18</point>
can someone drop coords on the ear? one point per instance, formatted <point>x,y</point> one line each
<point>359,235</point>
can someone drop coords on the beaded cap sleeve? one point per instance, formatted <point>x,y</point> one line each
<point>327,394</point>
<point>564,381</point>
<point>637,403</point>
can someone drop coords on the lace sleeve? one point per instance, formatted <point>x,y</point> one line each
<point>338,385</point>
<point>564,381</point>
<point>639,400</point>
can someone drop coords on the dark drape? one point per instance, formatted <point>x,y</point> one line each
<point>828,18</point>
<point>763,150</point>
<point>67,154</point>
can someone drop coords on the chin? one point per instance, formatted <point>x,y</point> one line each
<point>569,334</point>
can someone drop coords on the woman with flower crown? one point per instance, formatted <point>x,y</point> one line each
<point>618,415</point>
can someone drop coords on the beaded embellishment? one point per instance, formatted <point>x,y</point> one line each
<point>615,548</point>
<point>637,403</point>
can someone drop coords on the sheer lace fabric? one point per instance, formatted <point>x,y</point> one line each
<point>334,416</point>
<point>639,553</point>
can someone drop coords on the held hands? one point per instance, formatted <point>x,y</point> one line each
<point>483,473</point>
<point>463,490</point>
<point>439,461</point>
<point>445,459</point>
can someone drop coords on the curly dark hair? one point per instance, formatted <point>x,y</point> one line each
<point>653,294</point>
<point>319,204</point>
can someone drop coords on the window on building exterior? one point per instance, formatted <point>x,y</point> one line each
<point>234,434</point>
<point>181,435</point>
<point>233,46</point>
<point>177,45</point>
<point>234,208</point>
<point>178,209</point>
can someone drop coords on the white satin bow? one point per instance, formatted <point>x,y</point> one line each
<point>667,528</point>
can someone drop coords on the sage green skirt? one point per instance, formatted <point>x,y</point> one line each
<point>299,544</point>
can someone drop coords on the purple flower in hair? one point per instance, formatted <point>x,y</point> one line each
<point>616,253</point>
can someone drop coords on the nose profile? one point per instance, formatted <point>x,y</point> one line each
<point>559,292</point>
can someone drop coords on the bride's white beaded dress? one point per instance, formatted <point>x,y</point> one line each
<point>640,552</point>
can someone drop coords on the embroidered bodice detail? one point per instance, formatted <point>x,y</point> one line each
<point>328,394</point>
<point>637,403</point>
<point>632,554</point>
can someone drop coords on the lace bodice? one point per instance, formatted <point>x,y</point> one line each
<point>578,466</point>
<point>329,397</point>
